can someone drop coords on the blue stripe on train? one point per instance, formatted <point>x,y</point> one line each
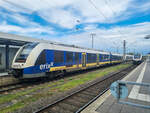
<point>33,70</point>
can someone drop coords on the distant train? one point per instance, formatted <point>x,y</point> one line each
<point>137,59</point>
<point>45,60</point>
<point>129,57</point>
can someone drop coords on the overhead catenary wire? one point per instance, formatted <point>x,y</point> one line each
<point>102,14</point>
<point>113,12</point>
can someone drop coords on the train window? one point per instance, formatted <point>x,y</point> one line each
<point>94,57</point>
<point>100,57</point>
<point>0,58</point>
<point>41,58</point>
<point>105,57</point>
<point>91,58</point>
<point>77,59</point>
<point>137,56</point>
<point>114,57</point>
<point>69,56</point>
<point>58,56</point>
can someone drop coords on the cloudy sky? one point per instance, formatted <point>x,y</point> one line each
<point>72,22</point>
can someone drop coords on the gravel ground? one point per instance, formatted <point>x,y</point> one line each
<point>7,80</point>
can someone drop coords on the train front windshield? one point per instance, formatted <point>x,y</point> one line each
<point>23,54</point>
<point>137,56</point>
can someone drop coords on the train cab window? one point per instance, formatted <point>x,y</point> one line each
<point>58,56</point>
<point>41,59</point>
<point>137,56</point>
<point>69,57</point>
<point>24,53</point>
<point>0,58</point>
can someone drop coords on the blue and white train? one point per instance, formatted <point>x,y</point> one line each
<point>129,57</point>
<point>44,59</point>
<point>137,59</point>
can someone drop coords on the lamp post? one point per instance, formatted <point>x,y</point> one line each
<point>92,36</point>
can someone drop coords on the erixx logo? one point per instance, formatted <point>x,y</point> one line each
<point>46,66</point>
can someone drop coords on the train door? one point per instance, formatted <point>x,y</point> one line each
<point>110,57</point>
<point>97,60</point>
<point>83,59</point>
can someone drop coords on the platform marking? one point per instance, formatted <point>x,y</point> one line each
<point>134,94</point>
<point>92,107</point>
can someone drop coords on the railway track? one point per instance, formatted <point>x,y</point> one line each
<point>15,85</point>
<point>18,85</point>
<point>5,76</point>
<point>10,87</point>
<point>7,80</point>
<point>80,99</point>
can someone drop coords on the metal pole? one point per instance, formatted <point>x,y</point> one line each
<point>92,35</point>
<point>92,41</point>
<point>124,49</point>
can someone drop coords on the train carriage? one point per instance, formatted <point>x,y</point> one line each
<point>129,57</point>
<point>41,59</point>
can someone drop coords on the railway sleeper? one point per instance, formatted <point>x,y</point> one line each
<point>56,109</point>
<point>68,106</point>
<point>96,90</point>
<point>79,99</point>
<point>98,87</point>
<point>89,93</point>
<point>87,97</point>
<point>93,91</point>
<point>74,102</point>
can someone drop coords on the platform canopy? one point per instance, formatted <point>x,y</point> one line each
<point>17,40</point>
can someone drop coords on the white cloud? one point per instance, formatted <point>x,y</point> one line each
<point>65,14</point>
<point>110,39</point>
<point>61,17</point>
<point>53,10</point>
<point>36,29</point>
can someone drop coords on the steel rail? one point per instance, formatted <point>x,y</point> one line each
<point>82,89</point>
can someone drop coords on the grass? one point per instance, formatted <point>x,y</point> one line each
<point>60,86</point>
<point>12,108</point>
<point>88,77</point>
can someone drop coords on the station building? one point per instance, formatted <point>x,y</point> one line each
<point>9,45</point>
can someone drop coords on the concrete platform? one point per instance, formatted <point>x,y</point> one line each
<point>4,73</point>
<point>139,95</point>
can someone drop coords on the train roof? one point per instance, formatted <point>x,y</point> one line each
<point>70,48</point>
<point>129,55</point>
<point>117,54</point>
